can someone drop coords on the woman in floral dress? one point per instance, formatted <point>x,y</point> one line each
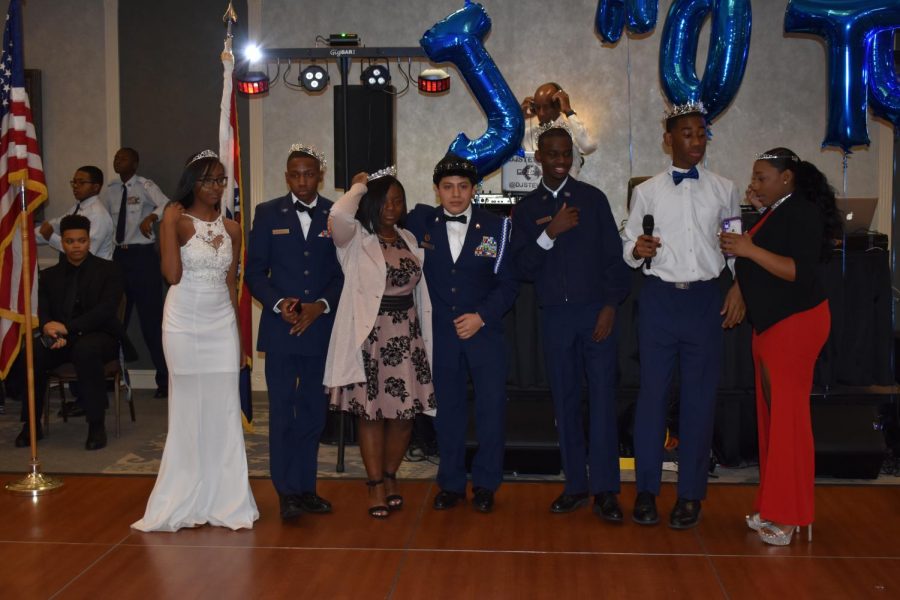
<point>378,364</point>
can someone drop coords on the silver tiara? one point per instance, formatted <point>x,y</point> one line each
<point>790,157</point>
<point>390,171</point>
<point>202,155</point>
<point>685,109</point>
<point>544,128</point>
<point>312,151</point>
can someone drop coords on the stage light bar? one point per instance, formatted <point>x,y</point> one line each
<point>314,78</point>
<point>434,81</point>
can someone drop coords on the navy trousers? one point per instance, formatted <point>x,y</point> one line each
<point>568,345</point>
<point>297,409</point>
<point>483,356</point>
<point>144,289</point>
<point>682,324</point>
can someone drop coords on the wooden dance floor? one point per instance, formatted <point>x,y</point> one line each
<point>76,543</point>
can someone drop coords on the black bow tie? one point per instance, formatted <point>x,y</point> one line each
<point>457,218</point>
<point>300,207</point>
<point>678,176</point>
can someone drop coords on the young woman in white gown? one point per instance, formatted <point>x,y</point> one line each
<point>203,474</point>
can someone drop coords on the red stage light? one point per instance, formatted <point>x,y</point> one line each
<point>253,83</point>
<point>434,81</point>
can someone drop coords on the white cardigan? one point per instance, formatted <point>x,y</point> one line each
<point>365,277</point>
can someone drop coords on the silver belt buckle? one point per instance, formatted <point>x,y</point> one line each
<point>683,285</point>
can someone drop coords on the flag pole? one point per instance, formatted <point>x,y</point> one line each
<point>34,483</point>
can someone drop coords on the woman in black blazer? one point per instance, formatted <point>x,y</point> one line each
<point>777,270</point>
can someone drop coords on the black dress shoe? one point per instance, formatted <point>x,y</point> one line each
<point>483,501</point>
<point>566,503</point>
<point>24,437</point>
<point>446,499</point>
<point>96,438</point>
<point>161,393</point>
<point>645,509</point>
<point>312,503</point>
<point>606,506</point>
<point>685,514</point>
<point>289,507</point>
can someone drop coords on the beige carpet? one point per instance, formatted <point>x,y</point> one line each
<point>139,449</point>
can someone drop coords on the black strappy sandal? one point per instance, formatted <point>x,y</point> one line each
<point>395,501</point>
<point>379,511</point>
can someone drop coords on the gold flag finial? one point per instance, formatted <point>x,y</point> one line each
<point>230,16</point>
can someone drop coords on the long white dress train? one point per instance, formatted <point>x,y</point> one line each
<point>203,474</point>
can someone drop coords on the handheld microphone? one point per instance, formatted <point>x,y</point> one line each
<point>648,230</point>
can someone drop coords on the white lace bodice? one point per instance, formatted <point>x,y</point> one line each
<point>207,255</point>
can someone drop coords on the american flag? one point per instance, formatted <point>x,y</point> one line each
<point>20,161</point>
<point>233,201</point>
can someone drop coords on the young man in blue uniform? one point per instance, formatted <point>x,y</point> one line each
<point>292,269</point>
<point>565,239</point>
<point>471,288</point>
<point>682,313</point>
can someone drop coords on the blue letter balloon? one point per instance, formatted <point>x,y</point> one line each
<point>612,14</point>
<point>458,39</point>
<point>847,27</point>
<point>884,86</point>
<point>725,60</point>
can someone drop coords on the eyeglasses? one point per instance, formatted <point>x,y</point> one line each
<point>211,181</point>
<point>77,182</point>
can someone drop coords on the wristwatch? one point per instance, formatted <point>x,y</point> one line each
<point>570,113</point>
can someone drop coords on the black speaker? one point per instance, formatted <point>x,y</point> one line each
<point>370,124</point>
<point>849,440</point>
<point>532,444</point>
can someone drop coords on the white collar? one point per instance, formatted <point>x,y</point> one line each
<point>467,213</point>
<point>310,205</point>
<point>556,191</point>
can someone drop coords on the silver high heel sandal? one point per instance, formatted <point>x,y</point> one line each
<point>754,521</point>
<point>781,535</point>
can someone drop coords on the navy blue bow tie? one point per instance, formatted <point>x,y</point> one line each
<point>678,176</point>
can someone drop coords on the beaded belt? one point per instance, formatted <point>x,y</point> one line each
<point>394,303</point>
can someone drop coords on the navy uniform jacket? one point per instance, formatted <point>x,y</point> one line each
<point>481,279</point>
<point>280,264</point>
<point>585,265</point>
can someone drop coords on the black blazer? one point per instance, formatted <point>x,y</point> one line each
<point>794,229</point>
<point>100,290</point>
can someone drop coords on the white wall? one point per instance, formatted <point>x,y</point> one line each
<point>65,40</point>
<point>781,100</point>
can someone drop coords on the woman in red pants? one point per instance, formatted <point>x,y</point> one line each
<point>778,276</point>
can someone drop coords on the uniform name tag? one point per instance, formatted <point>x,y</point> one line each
<point>134,200</point>
<point>325,233</point>
<point>543,220</point>
<point>280,231</point>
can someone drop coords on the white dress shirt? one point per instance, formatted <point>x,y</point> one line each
<point>304,217</point>
<point>143,198</point>
<point>583,143</point>
<point>687,219</point>
<point>456,232</point>
<point>102,229</point>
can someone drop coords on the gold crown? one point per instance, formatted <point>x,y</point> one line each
<point>686,109</point>
<point>202,155</point>
<point>312,151</point>
<point>390,171</point>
